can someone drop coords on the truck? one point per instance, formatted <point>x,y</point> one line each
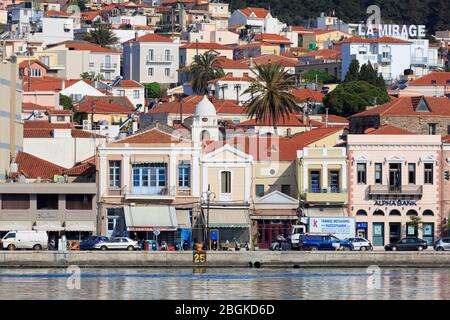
<point>339,227</point>
<point>36,240</point>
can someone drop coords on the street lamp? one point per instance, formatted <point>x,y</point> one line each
<point>208,195</point>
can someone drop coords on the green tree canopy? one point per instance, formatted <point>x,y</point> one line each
<point>349,98</point>
<point>352,72</point>
<point>153,90</point>
<point>66,102</point>
<point>101,35</point>
<point>204,68</point>
<point>370,75</point>
<point>322,76</point>
<point>271,98</point>
<point>91,76</point>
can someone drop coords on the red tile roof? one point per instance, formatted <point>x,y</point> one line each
<point>128,84</point>
<point>305,94</point>
<point>231,78</point>
<point>102,107</point>
<point>374,40</point>
<point>81,169</point>
<point>272,38</point>
<point>388,129</point>
<point>226,63</point>
<point>89,15</point>
<point>440,79</point>
<point>334,119</point>
<point>293,120</point>
<point>259,12</point>
<point>205,46</point>
<point>151,37</point>
<point>323,54</point>
<point>44,124</point>
<point>47,83</point>
<point>26,63</point>
<point>406,106</point>
<point>33,167</point>
<point>272,58</point>
<point>87,46</point>
<point>54,13</point>
<point>150,136</point>
<point>60,112</point>
<point>28,106</point>
<point>446,139</point>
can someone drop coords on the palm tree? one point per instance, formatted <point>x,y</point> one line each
<point>204,68</point>
<point>270,95</point>
<point>102,36</point>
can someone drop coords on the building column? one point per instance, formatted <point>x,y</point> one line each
<point>172,172</point>
<point>344,176</point>
<point>103,177</point>
<point>305,177</point>
<point>248,182</point>
<point>324,176</point>
<point>126,173</point>
<point>195,176</point>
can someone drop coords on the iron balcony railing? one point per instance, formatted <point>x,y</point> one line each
<point>379,189</point>
<point>160,58</point>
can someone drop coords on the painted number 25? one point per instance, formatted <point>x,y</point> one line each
<point>199,258</point>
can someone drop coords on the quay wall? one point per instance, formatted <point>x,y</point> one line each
<point>95,259</point>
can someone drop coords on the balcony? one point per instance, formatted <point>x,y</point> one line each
<point>435,63</point>
<point>385,58</point>
<point>386,190</point>
<point>419,60</point>
<point>151,193</point>
<point>331,195</point>
<point>108,66</point>
<point>364,58</point>
<point>160,59</point>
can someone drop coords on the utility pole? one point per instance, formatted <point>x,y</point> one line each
<point>208,195</point>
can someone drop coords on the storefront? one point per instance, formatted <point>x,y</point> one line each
<point>231,224</point>
<point>184,220</point>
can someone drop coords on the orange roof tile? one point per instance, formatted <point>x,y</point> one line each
<point>87,46</point>
<point>150,136</point>
<point>431,79</point>
<point>270,37</point>
<point>226,63</point>
<point>44,124</point>
<point>128,84</point>
<point>272,58</point>
<point>334,119</point>
<point>293,120</point>
<point>305,94</point>
<point>258,12</point>
<point>204,45</point>
<point>374,40</point>
<point>151,37</point>
<point>102,106</point>
<point>230,78</point>
<point>388,129</point>
<point>54,13</point>
<point>28,106</point>
<point>33,167</point>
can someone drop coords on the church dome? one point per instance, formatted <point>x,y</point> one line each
<point>205,108</point>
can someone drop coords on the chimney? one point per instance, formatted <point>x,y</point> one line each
<point>251,62</point>
<point>63,85</point>
<point>135,36</point>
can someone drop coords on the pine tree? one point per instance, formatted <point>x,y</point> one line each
<point>353,71</point>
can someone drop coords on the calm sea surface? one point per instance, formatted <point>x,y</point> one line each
<point>226,283</point>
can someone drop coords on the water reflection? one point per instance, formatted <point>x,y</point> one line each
<point>151,283</point>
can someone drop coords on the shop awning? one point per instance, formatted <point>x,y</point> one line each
<point>80,226</point>
<point>48,226</point>
<point>15,225</point>
<point>227,218</point>
<point>183,219</point>
<point>163,218</point>
<point>269,214</point>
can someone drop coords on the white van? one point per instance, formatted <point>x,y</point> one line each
<point>36,240</point>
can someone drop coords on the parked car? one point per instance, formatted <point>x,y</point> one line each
<point>360,244</point>
<point>322,242</point>
<point>407,244</point>
<point>90,242</point>
<point>36,240</point>
<point>442,244</point>
<point>120,243</point>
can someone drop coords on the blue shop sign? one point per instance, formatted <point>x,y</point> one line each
<point>361,225</point>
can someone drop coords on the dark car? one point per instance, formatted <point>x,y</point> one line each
<point>90,242</point>
<point>407,244</point>
<point>323,242</point>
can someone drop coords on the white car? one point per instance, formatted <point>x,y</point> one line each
<point>120,243</point>
<point>360,244</point>
<point>36,240</point>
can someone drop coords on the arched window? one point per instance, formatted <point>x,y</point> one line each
<point>361,213</point>
<point>225,180</point>
<point>395,212</point>
<point>428,213</point>
<point>378,212</point>
<point>411,213</point>
<point>205,135</point>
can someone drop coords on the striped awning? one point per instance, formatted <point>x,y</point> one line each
<point>48,226</point>
<point>150,218</point>
<point>15,225</point>
<point>227,218</point>
<point>80,226</point>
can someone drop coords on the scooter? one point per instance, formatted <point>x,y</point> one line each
<point>282,244</point>
<point>237,246</point>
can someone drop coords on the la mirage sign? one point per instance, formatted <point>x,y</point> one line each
<point>373,25</point>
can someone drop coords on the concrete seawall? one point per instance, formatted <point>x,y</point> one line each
<point>241,259</point>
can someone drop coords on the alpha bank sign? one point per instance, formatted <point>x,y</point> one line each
<point>392,30</point>
<point>395,203</point>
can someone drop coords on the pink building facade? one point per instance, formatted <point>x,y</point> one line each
<point>391,179</point>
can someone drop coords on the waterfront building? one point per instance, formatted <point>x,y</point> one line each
<point>435,84</point>
<point>422,115</point>
<point>11,127</point>
<point>257,20</point>
<point>394,179</point>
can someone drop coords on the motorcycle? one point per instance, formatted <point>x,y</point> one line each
<point>281,244</point>
<point>246,246</point>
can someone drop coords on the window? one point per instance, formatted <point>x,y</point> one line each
<point>378,173</point>
<point>150,55</point>
<point>286,189</point>
<point>428,173</point>
<point>35,72</point>
<point>362,50</point>
<point>149,177</point>
<point>47,201</point>
<point>314,181</point>
<point>333,177</point>
<point>259,190</point>
<point>272,187</point>
<point>167,72</point>
<point>361,173</point>
<point>60,118</point>
<point>45,60</point>
<point>167,54</point>
<point>108,75</point>
<point>79,202</point>
<point>411,173</point>
<point>15,201</point>
<point>225,181</point>
<point>184,174</point>
<point>136,94</point>
<point>121,93</point>
<point>150,72</point>
<point>432,128</point>
<point>114,174</point>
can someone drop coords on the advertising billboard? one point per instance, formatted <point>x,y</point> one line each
<point>338,226</point>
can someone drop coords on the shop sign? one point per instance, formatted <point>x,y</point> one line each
<point>392,30</point>
<point>361,225</point>
<point>339,227</point>
<point>135,228</point>
<point>397,203</point>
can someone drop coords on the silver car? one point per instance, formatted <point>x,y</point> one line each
<point>442,244</point>
<point>360,244</point>
<point>120,243</point>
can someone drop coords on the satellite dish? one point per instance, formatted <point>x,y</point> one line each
<point>73,10</point>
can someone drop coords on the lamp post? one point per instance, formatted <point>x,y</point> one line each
<point>207,196</point>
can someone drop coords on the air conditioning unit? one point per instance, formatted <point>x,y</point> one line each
<point>87,125</point>
<point>269,171</point>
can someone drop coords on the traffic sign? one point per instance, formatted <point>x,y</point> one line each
<point>156,232</point>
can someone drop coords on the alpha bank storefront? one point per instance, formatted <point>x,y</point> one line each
<point>386,221</point>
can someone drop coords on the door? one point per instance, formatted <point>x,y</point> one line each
<point>108,62</point>
<point>428,233</point>
<point>395,176</point>
<point>394,232</point>
<point>378,234</point>
<point>314,184</point>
